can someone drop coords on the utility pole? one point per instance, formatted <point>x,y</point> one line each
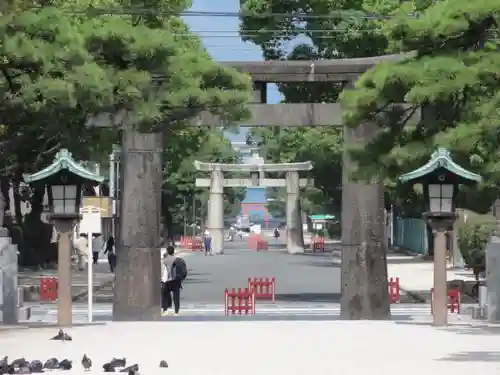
<point>185,214</point>
<point>194,215</point>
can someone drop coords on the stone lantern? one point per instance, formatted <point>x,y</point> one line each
<point>441,178</point>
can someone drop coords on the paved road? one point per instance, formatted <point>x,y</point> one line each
<point>299,278</point>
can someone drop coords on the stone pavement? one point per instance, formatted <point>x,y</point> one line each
<point>307,311</point>
<point>270,348</point>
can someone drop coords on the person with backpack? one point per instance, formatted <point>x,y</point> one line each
<point>276,234</point>
<point>207,242</point>
<point>175,272</point>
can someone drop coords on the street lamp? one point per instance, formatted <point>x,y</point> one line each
<point>441,178</point>
<point>63,181</point>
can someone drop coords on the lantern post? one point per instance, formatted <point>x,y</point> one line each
<point>63,181</point>
<point>441,178</point>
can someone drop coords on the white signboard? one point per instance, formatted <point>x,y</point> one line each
<point>91,220</point>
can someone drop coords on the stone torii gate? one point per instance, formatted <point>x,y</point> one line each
<point>361,201</point>
<point>257,169</point>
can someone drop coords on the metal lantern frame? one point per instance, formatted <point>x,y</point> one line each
<point>441,178</point>
<point>63,182</point>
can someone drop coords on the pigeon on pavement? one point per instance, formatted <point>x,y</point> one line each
<point>20,362</point>
<point>65,364</point>
<point>134,368</point>
<point>108,367</point>
<point>62,336</point>
<point>51,364</point>
<point>36,366</point>
<point>4,365</point>
<point>118,362</point>
<point>86,362</point>
<point>23,370</point>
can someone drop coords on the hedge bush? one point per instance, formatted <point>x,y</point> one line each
<point>474,234</point>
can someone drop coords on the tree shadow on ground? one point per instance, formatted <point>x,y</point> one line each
<point>483,330</point>
<point>309,297</point>
<point>196,281</point>
<point>462,328</point>
<point>479,356</point>
<point>328,264</point>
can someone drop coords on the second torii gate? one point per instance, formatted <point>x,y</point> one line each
<point>292,182</point>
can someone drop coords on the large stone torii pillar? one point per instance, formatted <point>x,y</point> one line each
<point>292,182</point>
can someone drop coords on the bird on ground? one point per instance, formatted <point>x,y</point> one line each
<point>36,366</point>
<point>20,362</point>
<point>23,370</point>
<point>62,336</point>
<point>163,364</point>
<point>65,364</point>
<point>51,364</point>
<point>4,365</point>
<point>119,362</point>
<point>134,368</point>
<point>86,362</point>
<point>108,367</point>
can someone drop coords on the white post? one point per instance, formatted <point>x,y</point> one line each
<point>391,224</point>
<point>90,281</point>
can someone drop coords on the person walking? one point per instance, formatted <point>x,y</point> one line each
<point>96,247</point>
<point>110,251</point>
<point>174,273</point>
<point>207,242</point>
<point>82,251</point>
<point>276,234</point>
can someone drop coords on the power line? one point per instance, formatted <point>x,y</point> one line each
<point>224,33</point>
<point>339,14</point>
<point>283,35</point>
<point>296,15</point>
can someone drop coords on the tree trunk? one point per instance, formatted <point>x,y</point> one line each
<point>137,285</point>
<point>364,256</point>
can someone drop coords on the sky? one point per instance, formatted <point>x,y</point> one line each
<point>220,37</point>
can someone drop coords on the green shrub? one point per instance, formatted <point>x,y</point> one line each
<point>474,234</point>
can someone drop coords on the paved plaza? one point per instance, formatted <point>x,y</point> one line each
<point>300,347</point>
<point>309,278</point>
<point>299,278</point>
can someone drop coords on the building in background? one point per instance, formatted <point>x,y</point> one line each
<point>254,204</point>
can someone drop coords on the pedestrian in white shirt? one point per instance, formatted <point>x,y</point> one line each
<point>96,247</point>
<point>82,252</point>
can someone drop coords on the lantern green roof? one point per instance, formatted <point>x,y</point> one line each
<point>63,161</point>
<point>322,217</point>
<point>440,158</point>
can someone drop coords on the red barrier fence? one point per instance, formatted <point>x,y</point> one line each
<point>453,300</point>
<point>257,242</point>
<point>394,290</point>
<point>191,243</point>
<point>318,244</point>
<point>186,241</point>
<point>241,301</point>
<point>48,289</point>
<point>264,287</point>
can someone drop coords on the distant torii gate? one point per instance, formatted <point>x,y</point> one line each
<point>292,182</point>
